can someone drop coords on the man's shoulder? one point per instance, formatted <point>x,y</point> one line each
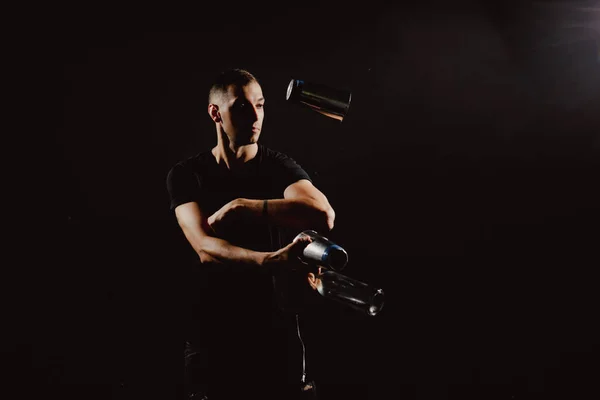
<point>190,167</point>
<point>284,163</point>
<point>269,153</point>
<point>196,161</point>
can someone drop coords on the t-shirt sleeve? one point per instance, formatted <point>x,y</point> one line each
<point>182,185</point>
<point>290,171</point>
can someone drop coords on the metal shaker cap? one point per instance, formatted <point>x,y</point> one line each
<point>335,257</point>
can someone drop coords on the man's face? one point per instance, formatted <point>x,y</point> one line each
<point>242,113</point>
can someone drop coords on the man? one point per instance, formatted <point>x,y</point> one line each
<point>235,204</point>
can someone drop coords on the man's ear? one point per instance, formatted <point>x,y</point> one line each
<point>213,111</point>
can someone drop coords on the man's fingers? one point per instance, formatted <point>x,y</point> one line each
<point>301,243</point>
<point>298,245</point>
<point>211,220</point>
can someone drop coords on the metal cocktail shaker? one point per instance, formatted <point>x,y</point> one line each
<point>331,102</point>
<point>327,259</point>
<point>323,252</point>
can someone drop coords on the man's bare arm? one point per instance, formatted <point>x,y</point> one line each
<point>303,207</point>
<point>213,249</point>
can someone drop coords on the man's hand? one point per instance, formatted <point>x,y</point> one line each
<point>224,217</point>
<point>287,257</point>
<point>313,279</point>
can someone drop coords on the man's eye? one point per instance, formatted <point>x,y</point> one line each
<point>260,105</point>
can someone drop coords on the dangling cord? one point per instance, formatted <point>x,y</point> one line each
<point>303,351</point>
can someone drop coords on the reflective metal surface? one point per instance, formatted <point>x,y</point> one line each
<point>331,102</point>
<point>322,251</point>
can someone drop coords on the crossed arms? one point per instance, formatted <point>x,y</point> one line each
<point>303,207</point>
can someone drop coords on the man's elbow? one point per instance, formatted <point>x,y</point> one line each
<point>206,258</point>
<point>320,217</point>
<point>329,218</point>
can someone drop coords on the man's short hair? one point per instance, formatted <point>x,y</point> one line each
<point>235,76</point>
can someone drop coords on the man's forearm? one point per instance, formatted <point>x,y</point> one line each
<point>212,249</point>
<point>298,214</point>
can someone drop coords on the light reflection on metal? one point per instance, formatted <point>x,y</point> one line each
<point>331,102</point>
<point>350,292</point>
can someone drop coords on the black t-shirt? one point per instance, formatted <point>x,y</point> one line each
<point>266,176</point>
<point>216,292</point>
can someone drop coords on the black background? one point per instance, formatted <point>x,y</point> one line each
<point>464,179</point>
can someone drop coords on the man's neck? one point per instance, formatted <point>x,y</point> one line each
<point>234,157</point>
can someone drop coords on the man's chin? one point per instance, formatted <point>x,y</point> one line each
<point>253,139</point>
<point>249,142</point>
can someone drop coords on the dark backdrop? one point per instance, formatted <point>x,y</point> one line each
<point>464,179</point>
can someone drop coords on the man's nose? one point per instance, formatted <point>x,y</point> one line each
<point>253,113</point>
